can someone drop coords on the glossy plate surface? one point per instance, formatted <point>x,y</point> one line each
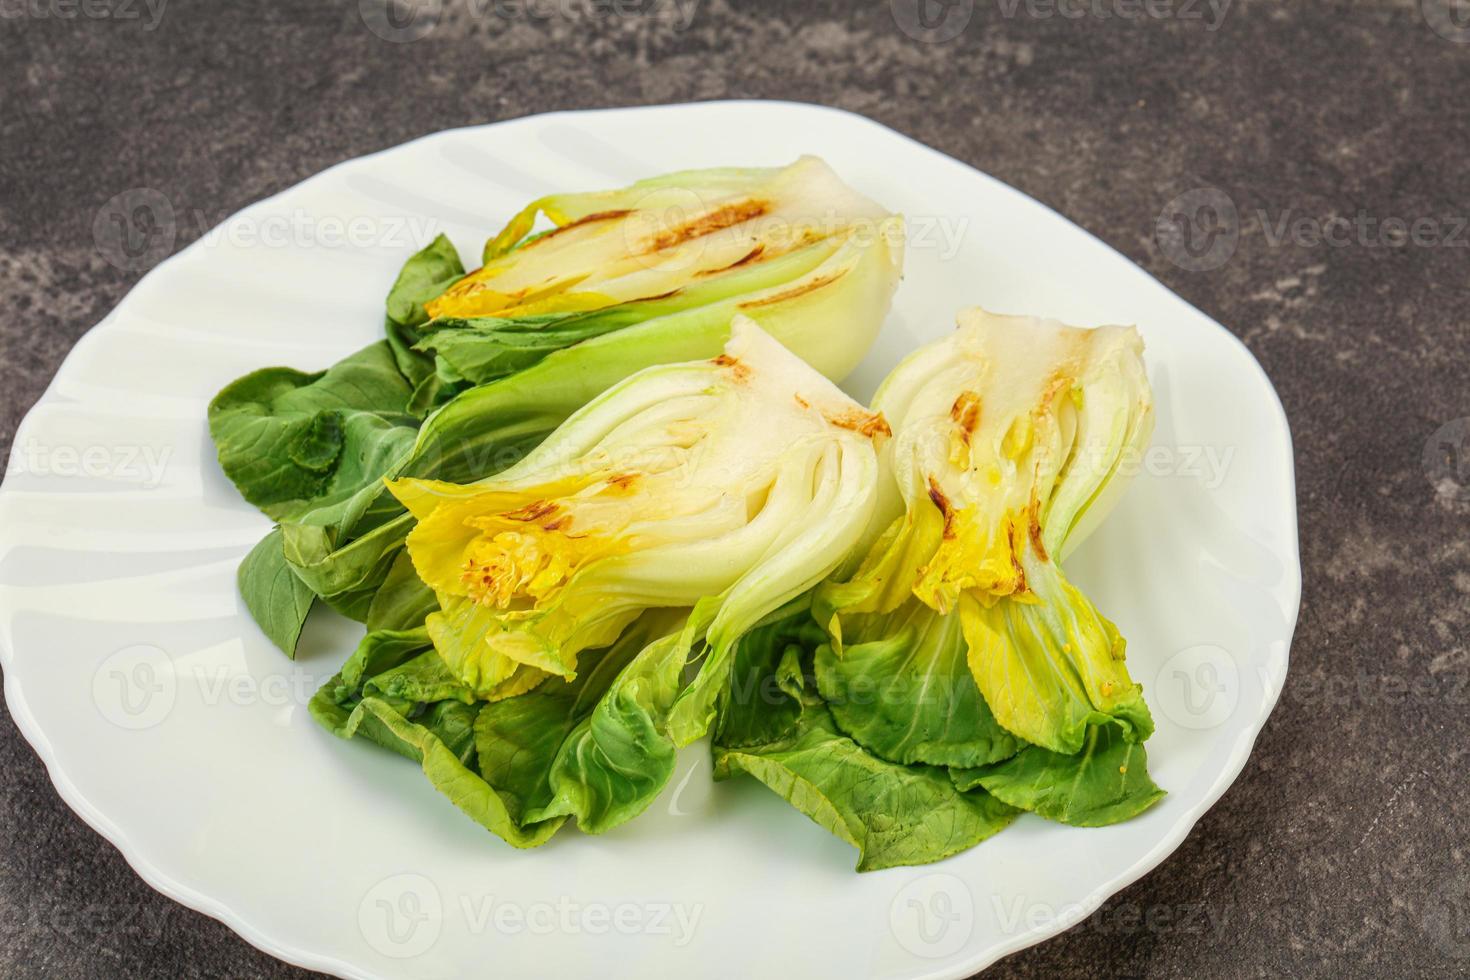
<point>175,729</point>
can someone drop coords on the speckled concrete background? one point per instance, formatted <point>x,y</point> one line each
<point>1343,850</point>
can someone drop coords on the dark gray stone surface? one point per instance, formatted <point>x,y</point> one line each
<point>1343,849</point>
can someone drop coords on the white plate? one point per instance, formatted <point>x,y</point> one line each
<point>174,728</point>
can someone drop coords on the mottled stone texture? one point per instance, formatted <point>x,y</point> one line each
<point>1343,848</point>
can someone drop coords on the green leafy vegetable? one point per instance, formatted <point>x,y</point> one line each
<point>956,640</point>
<point>423,279</point>
<point>586,748</point>
<point>654,237</point>
<point>485,348</point>
<point>293,442</point>
<point>671,515</point>
<point>279,601</point>
<point>403,601</point>
<point>593,747</point>
<point>1105,783</point>
<point>902,689</point>
<point>893,814</point>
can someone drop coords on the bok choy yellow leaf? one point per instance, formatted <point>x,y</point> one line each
<point>730,486</point>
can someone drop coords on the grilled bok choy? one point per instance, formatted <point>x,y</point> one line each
<point>478,367</point>
<point>663,521</point>
<point>963,677</point>
<point>1009,440</point>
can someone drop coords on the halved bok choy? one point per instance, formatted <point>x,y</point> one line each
<point>962,678</point>
<point>653,530</point>
<point>1011,438</point>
